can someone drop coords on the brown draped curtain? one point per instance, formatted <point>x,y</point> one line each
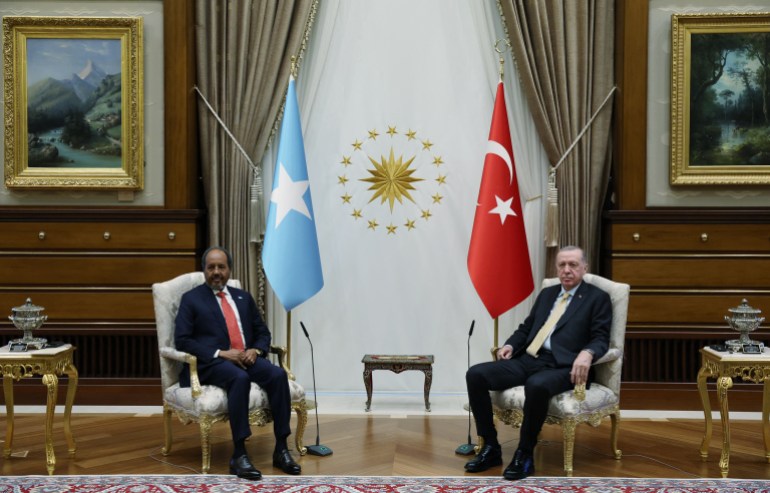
<point>244,50</point>
<point>564,54</point>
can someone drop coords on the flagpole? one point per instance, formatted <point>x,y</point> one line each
<point>288,338</point>
<point>496,319</point>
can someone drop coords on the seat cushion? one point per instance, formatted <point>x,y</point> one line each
<point>213,400</point>
<point>562,405</point>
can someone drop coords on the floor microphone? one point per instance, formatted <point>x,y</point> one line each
<point>468,448</point>
<point>316,449</point>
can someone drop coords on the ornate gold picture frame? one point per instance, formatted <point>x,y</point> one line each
<point>73,102</point>
<point>720,99</point>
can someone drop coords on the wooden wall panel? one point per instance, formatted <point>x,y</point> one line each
<point>692,308</point>
<point>706,271</point>
<point>77,305</point>
<point>92,269</point>
<point>99,236</point>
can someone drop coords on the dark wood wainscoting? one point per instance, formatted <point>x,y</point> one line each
<point>686,270</point>
<point>92,271</point>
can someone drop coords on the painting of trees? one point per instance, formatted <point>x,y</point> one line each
<point>729,119</point>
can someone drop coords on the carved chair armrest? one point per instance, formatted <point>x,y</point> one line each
<point>280,352</point>
<point>182,357</point>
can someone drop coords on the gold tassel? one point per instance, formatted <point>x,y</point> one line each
<point>552,212</point>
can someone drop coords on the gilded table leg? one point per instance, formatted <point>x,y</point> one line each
<point>703,374</point>
<point>765,421</point>
<point>723,384</point>
<point>426,389</point>
<point>51,381</point>
<point>8,392</point>
<point>368,385</point>
<point>72,387</point>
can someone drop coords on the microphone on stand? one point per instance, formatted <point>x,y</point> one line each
<point>316,449</point>
<point>468,448</point>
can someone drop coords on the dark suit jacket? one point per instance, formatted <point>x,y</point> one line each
<point>585,324</point>
<point>201,328</point>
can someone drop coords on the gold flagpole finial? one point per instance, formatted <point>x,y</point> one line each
<point>500,53</point>
<point>294,66</point>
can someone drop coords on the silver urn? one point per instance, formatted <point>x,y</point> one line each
<point>28,317</point>
<point>744,320</point>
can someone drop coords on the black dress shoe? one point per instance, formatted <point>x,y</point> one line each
<point>489,456</point>
<point>283,460</point>
<point>522,466</point>
<point>243,468</point>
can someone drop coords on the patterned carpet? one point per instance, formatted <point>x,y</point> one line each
<point>362,484</point>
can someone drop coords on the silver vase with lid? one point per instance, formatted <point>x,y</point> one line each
<point>28,317</point>
<point>744,319</point>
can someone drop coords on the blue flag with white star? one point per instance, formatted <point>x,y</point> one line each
<point>290,253</point>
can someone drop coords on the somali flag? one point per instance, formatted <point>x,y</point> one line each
<point>290,253</point>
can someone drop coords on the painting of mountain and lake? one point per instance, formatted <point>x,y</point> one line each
<point>74,117</point>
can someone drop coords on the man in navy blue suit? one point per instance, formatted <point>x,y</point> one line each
<point>221,326</point>
<point>551,352</point>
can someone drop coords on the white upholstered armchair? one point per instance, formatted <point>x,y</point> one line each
<point>206,404</point>
<point>582,405</point>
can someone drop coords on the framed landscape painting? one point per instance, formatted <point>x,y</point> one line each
<point>73,103</point>
<point>720,99</point>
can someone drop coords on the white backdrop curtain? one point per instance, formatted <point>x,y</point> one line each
<point>427,67</point>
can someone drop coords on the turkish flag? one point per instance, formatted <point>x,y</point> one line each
<point>498,256</point>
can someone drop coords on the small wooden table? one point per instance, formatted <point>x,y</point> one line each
<point>50,363</point>
<point>724,366</point>
<point>397,363</point>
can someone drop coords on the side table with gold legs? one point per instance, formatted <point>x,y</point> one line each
<point>49,363</point>
<point>723,366</point>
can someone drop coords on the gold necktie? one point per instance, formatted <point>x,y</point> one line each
<point>548,326</point>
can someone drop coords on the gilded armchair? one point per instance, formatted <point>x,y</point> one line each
<point>206,404</point>
<point>581,405</point>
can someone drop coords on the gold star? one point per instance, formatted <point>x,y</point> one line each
<point>410,134</point>
<point>438,161</point>
<point>391,179</point>
<point>356,213</point>
<point>345,161</point>
<point>373,224</point>
<point>357,145</point>
<point>409,224</point>
<point>437,198</point>
<point>391,229</point>
<point>392,131</point>
<point>341,180</point>
<point>373,134</point>
<point>426,214</point>
<point>346,198</point>
<point>426,144</point>
<point>441,179</point>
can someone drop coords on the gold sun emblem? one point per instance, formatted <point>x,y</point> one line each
<point>391,179</point>
<point>409,176</point>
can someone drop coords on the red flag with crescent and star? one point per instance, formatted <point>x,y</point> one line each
<point>498,256</point>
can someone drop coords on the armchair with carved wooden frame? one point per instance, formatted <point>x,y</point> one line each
<point>207,404</point>
<point>581,405</point>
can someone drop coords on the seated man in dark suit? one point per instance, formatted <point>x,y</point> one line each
<point>551,352</point>
<point>221,326</point>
